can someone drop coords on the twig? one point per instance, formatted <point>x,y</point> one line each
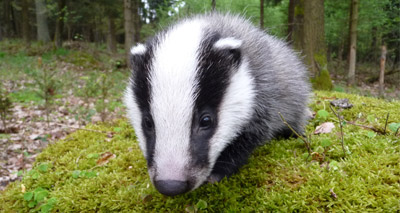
<point>366,127</point>
<point>341,129</point>
<point>396,131</point>
<point>387,118</point>
<point>297,134</point>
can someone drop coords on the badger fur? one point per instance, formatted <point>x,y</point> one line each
<point>207,91</point>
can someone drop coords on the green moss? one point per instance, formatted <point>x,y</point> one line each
<point>83,59</point>
<point>277,178</point>
<point>323,80</point>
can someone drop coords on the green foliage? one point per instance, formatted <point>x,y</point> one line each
<point>47,84</point>
<point>277,178</point>
<point>394,127</point>
<point>5,107</point>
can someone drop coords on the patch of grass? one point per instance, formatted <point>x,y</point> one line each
<point>25,96</point>
<point>277,178</point>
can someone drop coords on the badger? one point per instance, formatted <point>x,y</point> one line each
<point>205,92</point>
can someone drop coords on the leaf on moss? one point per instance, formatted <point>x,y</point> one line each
<point>323,114</point>
<point>394,126</point>
<point>201,204</point>
<point>43,167</point>
<point>190,209</point>
<point>32,204</point>
<point>371,134</point>
<point>105,157</point>
<point>28,196</point>
<point>41,195</point>
<point>334,165</point>
<point>324,128</point>
<point>146,198</point>
<point>371,118</point>
<point>76,173</point>
<point>326,142</point>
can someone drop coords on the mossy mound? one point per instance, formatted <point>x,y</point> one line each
<point>72,175</point>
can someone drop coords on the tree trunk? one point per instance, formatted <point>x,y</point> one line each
<point>382,72</point>
<point>213,5</point>
<point>41,20</point>
<point>136,21</point>
<point>353,42</point>
<point>307,32</point>
<point>111,39</point>
<point>6,22</point>
<point>128,26</point>
<point>25,21</point>
<point>314,36</point>
<point>59,23</point>
<point>297,33</point>
<point>290,20</point>
<point>262,14</point>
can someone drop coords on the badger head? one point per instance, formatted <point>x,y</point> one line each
<point>189,96</point>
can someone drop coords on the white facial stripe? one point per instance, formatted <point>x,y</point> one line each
<point>135,116</point>
<point>228,43</point>
<point>235,111</point>
<point>172,100</point>
<point>138,49</point>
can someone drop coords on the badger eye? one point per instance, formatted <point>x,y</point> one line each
<point>205,122</point>
<point>148,123</point>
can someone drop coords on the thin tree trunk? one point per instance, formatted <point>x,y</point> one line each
<point>262,14</point>
<point>353,42</point>
<point>382,72</point>
<point>6,22</point>
<point>213,5</point>
<point>297,34</point>
<point>290,20</point>
<point>25,21</point>
<point>136,21</point>
<point>41,20</point>
<point>314,42</point>
<point>128,26</point>
<point>111,39</point>
<point>59,23</point>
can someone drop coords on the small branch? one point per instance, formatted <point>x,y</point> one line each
<point>297,134</point>
<point>341,129</point>
<point>396,131</point>
<point>387,118</point>
<point>366,127</point>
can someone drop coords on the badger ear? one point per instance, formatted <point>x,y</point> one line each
<point>229,48</point>
<point>137,55</point>
<point>229,43</point>
<point>139,49</point>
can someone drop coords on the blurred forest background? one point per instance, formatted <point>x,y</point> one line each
<point>63,64</point>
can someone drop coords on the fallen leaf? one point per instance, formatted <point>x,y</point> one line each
<point>23,188</point>
<point>333,194</point>
<point>105,157</point>
<point>324,128</point>
<point>34,136</point>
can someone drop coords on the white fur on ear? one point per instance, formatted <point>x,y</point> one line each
<point>138,49</point>
<point>228,43</point>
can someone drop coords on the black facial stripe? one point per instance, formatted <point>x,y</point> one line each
<point>141,88</point>
<point>213,78</point>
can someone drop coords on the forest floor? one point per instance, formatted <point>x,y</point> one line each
<point>86,86</point>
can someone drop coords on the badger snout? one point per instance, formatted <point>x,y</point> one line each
<point>172,187</point>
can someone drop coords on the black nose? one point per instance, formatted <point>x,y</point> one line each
<point>171,187</point>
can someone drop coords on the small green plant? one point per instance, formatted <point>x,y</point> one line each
<point>47,85</point>
<point>90,90</point>
<point>105,87</point>
<point>5,108</point>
